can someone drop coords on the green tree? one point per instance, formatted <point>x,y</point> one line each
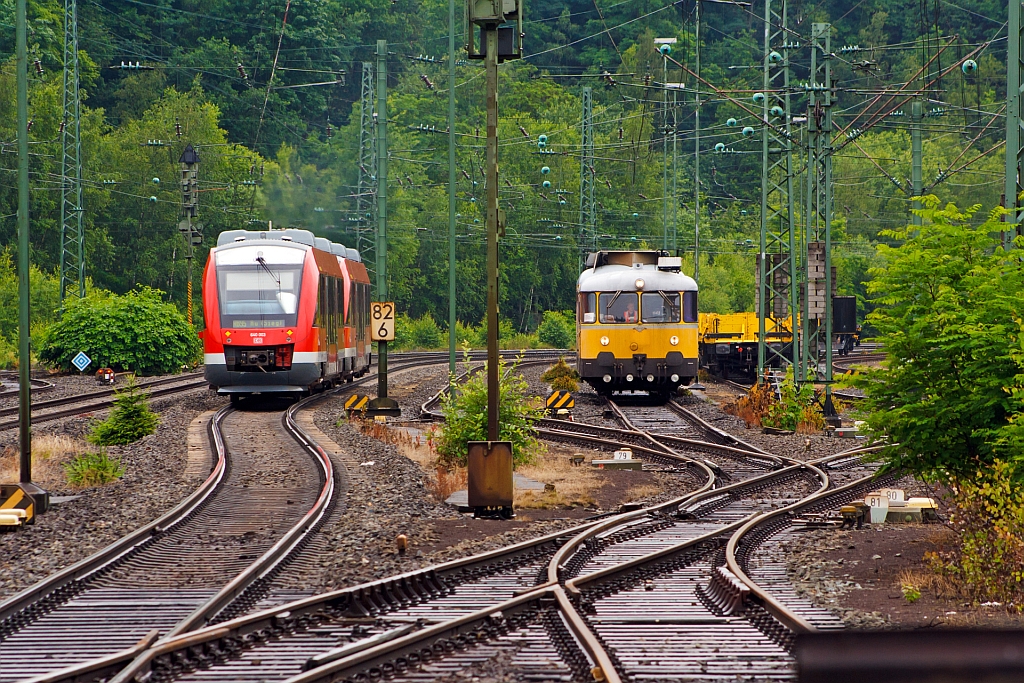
<point>136,331</point>
<point>130,420</point>
<point>949,310</point>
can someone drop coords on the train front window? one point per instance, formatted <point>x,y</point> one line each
<point>619,307</point>
<point>689,307</point>
<point>588,306</point>
<point>660,307</point>
<point>259,295</point>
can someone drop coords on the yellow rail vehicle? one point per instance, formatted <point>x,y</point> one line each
<point>636,322</point>
<point>729,342</point>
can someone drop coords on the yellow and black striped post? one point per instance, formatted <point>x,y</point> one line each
<point>356,402</point>
<point>16,504</point>
<point>559,400</point>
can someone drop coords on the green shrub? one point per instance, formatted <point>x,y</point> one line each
<point>465,418</point>
<point>558,330</point>
<point>137,332</point>
<point>418,333</point>
<point>795,409</point>
<point>8,354</point>
<point>93,469</point>
<point>561,376</point>
<point>130,420</point>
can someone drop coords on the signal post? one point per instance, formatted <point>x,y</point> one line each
<point>500,23</point>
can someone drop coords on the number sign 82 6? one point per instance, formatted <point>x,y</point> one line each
<point>382,321</point>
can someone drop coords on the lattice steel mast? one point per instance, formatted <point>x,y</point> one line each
<point>820,280</point>
<point>776,287</point>
<point>588,199</point>
<point>366,190</point>
<point>72,236</point>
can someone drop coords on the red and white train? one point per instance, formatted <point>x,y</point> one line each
<point>285,312</point>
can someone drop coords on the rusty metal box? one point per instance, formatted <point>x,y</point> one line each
<point>490,474</point>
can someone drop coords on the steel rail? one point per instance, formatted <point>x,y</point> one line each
<point>784,615</point>
<point>90,395</point>
<point>85,569</point>
<point>102,405</point>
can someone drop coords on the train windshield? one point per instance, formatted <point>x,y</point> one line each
<point>660,307</point>
<point>259,295</point>
<point>619,307</point>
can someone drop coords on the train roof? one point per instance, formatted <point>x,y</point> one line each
<point>615,271</point>
<point>288,236</point>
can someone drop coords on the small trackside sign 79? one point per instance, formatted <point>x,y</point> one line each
<point>382,321</point>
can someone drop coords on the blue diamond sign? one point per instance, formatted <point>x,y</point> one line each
<point>81,361</point>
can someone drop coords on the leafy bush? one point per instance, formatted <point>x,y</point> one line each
<point>137,332</point>
<point>950,301</point>
<point>795,409</point>
<point>8,354</point>
<point>93,469</point>
<point>465,418</point>
<point>418,333</point>
<point>561,376</point>
<point>988,520</point>
<point>558,330</point>
<point>130,420</point>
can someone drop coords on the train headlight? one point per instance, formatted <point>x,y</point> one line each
<point>639,283</point>
<point>629,378</point>
<point>650,378</point>
<point>633,346</point>
<point>605,341</point>
<point>674,378</point>
<point>607,378</point>
<point>673,340</point>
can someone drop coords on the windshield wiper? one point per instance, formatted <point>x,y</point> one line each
<point>263,262</point>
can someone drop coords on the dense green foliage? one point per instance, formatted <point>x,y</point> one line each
<point>42,295</point>
<point>465,418</point>
<point>136,332</point>
<point>558,329</point>
<point>950,305</point>
<point>130,420</point>
<point>93,469</point>
<point>273,151</point>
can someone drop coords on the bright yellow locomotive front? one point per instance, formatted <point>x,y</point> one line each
<point>636,323</point>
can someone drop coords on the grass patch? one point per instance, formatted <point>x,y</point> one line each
<point>49,453</point>
<point>93,469</point>
<point>574,486</point>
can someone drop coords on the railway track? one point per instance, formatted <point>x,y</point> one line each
<point>100,399</point>
<point>551,607</point>
<point>207,559</point>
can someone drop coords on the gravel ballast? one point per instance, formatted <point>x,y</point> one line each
<point>153,482</point>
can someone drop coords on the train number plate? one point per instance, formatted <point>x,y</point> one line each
<point>382,321</point>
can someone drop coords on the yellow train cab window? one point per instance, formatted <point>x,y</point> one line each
<point>660,307</point>
<point>689,307</point>
<point>588,307</point>
<point>619,307</point>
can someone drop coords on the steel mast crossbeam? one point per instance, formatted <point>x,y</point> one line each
<point>776,268</point>
<point>72,235</point>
